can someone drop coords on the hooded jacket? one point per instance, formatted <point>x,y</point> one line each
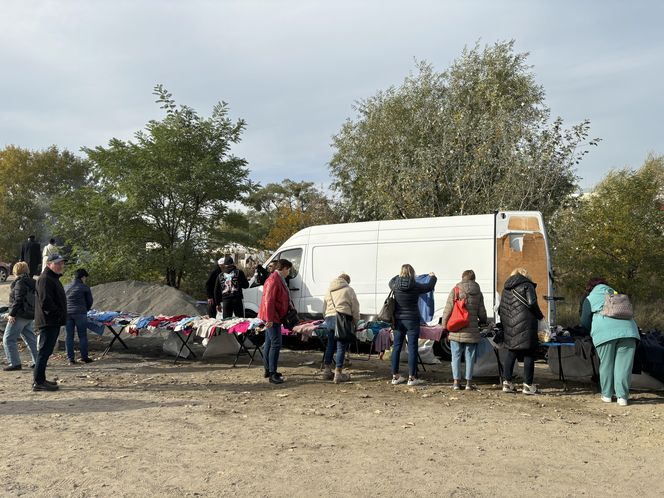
<point>230,283</point>
<point>22,297</point>
<point>406,294</point>
<point>519,320</point>
<point>51,302</point>
<point>604,328</point>
<point>471,292</point>
<point>341,298</point>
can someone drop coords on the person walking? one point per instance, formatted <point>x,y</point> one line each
<point>407,317</point>
<point>31,254</point>
<point>340,298</point>
<point>519,313</point>
<point>210,285</point>
<point>273,308</point>
<point>464,342</point>
<point>615,340</point>
<point>79,302</point>
<point>20,321</point>
<point>228,291</point>
<point>49,249</point>
<point>50,315</point>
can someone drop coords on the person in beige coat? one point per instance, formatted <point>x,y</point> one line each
<point>466,339</point>
<point>339,298</point>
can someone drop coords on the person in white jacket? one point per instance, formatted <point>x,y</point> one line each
<point>340,298</point>
<point>49,249</point>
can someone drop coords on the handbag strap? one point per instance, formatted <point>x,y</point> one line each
<point>332,299</point>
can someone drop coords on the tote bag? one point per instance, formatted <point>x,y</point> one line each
<point>386,313</point>
<point>459,318</point>
<point>344,330</point>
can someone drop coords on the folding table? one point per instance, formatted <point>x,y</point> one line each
<point>116,336</point>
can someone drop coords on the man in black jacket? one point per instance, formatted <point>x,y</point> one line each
<point>228,290</point>
<point>50,315</point>
<point>210,284</point>
<point>31,254</point>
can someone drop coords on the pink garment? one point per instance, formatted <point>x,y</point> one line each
<point>307,328</point>
<point>239,328</point>
<point>434,332</point>
<point>383,339</point>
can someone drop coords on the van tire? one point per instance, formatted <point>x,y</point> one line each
<point>3,275</point>
<point>249,313</point>
<point>442,349</point>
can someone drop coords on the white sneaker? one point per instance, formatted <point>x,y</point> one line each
<point>508,387</point>
<point>622,402</point>
<point>399,380</point>
<point>605,399</point>
<point>415,382</point>
<point>529,389</point>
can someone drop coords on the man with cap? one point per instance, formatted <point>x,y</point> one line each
<point>210,284</point>
<point>228,290</point>
<point>50,315</point>
<point>79,302</point>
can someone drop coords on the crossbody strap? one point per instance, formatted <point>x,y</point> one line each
<point>521,299</point>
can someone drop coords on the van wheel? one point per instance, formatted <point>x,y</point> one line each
<point>3,275</point>
<point>442,349</point>
<point>249,314</point>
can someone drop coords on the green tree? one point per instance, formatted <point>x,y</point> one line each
<point>616,232</point>
<point>154,201</point>
<point>469,140</point>
<point>29,181</point>
<point>276,211</point>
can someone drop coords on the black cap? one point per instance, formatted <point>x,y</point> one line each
<point>228,261</point>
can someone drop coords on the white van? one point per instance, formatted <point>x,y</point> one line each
<point>372,253</point>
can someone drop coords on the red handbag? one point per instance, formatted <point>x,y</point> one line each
<point>459,318</point>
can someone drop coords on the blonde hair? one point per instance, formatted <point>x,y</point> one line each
<point>407,271</point>
<point>20,268</point>
<point>520,271</point>
<point>345,276</point>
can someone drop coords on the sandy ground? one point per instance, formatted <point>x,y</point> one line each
<point>135,424</point>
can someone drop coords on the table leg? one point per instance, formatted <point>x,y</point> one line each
<point>116,337</point>
<point>561,373</point>
<point>184,344</point>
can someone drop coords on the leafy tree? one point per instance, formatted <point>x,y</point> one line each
<point>617,232</point>
<point>29,181</point>
<point>154,201</point>
<point>276,212</point>
<point>469,140</point>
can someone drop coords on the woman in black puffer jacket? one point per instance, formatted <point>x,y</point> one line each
<point>519,313</point>
<point>20,321</point>
<point>407,316</point>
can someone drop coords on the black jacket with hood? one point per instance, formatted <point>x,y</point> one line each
<point>519,313</point>
<point>51,302</point>
<point>22,297</point>
<point>406,294</point>
<point>237,281</point>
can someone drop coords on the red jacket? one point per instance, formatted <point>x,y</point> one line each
<point>274,303</point>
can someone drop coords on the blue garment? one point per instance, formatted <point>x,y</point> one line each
<point>80,323</point>
<point>79,298</point>
<point>458,349</point>
<point>425,302</point>
<point>333,344</point>
<point>24,328</point>
<point>411,329</point>
<point>143,322</point>
<point>271,348</point>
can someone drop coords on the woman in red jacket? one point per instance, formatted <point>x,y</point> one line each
<point>273,308</point>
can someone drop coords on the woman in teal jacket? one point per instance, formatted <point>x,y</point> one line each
<point>615,340</point>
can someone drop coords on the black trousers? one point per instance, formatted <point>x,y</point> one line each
<point>212,310</point>
<point>232,307</point>
<point>48,338</point>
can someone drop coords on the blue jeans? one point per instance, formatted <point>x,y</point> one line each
<point>458,349</point>
<point>24,328</point>
<point>333,344</point>
<point>403,329</point>
<point>272,347</point>
<point>48,338</point>
<point>80,322</point>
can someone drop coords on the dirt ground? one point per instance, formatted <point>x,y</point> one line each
<point>135,424</point>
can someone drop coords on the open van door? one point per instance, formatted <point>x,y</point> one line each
<point>295,283</point>
<point>521,241</point>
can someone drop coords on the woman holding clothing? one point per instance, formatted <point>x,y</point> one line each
<point>273,308</point>
<point>340,298</point>
<point>407,317</point>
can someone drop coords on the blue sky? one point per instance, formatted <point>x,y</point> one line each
<point>77,73</point>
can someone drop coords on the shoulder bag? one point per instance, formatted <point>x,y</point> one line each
<point>386,313</point>
<point>344,330</point>
<point>617,306</point>
<point>459,318</point>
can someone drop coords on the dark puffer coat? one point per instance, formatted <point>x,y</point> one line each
<point>406,294</point>
<point>51,302</point>
<point>22,297</point>
<point>519,319</point>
